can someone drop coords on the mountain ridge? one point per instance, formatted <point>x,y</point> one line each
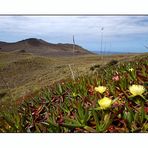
<point>43,48</point>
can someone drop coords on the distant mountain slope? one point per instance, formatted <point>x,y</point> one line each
<point>1,43</point>
<point>41,47</point>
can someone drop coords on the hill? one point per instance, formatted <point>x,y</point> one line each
<point>22,73</point>
<point>43,48</point>
<point>113,99</point>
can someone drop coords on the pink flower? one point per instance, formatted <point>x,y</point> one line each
<point>116,78</point>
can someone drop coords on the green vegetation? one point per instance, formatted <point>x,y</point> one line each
<point>75,106</point>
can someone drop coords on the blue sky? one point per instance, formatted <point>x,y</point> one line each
<point>120,33</point>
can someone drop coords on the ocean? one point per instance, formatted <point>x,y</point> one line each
<point>110,52</point>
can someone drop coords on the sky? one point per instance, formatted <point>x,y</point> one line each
<point>117,33</point>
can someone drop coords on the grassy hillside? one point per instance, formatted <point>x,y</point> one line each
<point>75,105</point>
<point>25,73</point>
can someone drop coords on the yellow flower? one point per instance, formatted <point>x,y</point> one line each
<point>105,103</point>
<point>74,94</point>
<point>100,89</point>
<point>136,90</point>
<point>131,69</point>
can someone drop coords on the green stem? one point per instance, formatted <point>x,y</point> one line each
<point>142,111</point>
<point>143,98</point>
<point>72,125</point>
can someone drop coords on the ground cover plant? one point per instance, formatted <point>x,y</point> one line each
<point>113,99</point>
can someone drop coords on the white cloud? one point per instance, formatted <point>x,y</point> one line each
<point>84,25</point>
<point>87,29</point>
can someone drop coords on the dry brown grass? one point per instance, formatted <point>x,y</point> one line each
<point>23,73</point>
